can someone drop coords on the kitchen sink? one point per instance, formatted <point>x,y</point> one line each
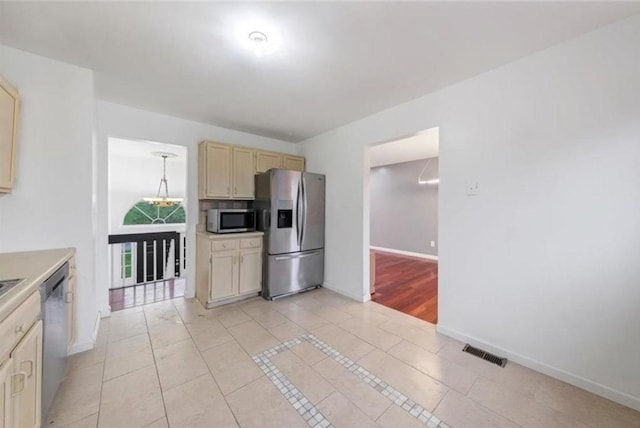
<point>8,284</point>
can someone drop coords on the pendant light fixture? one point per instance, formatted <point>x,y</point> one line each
<point>422,180</point>
<point>158,200</point>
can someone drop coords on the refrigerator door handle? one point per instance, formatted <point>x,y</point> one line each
<point>304,211</point>
<point>298,226</point>
<point>297,256</point>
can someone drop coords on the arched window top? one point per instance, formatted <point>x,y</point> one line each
<point>146,213</point>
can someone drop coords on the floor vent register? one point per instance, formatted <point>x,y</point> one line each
<point>485,355</point>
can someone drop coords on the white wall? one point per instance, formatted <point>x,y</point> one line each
<point>134,173</point>
<point>543,264</point>
<point>51,205</point>
<point>120,121</point>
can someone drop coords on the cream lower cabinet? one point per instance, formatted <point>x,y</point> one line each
<point>6,382</point>
<point>27,358</point>
<point>228,268</point>
<point>21,368</point>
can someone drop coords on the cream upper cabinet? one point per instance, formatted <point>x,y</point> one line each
<point>243,173</point>
<point>27,359</point>
<point>9,108</point>
<point>6,407</point>
<point>214,169</point>
<point>228,172</point>
<point>267,160</point>
<point>296,163</point>
<point>227,268</point>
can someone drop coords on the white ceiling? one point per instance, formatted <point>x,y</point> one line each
<point>146,150</point>
<point>337,61</point>
<point>421,146</point>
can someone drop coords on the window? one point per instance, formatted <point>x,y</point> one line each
<point>146,213</point>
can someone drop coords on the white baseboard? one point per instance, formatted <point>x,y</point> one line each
<point>355,297</point>
<point>570,378</point>
<point>87,345</point>
<point>404,253</point>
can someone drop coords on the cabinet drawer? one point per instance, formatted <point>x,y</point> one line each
<point>251,243</point>
<point>18,323</point>
<point>224,245</point>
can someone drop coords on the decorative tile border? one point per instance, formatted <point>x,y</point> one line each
<point>308,411</point>
<point>303,406</point>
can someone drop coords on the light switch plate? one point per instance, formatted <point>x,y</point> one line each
<point>473,188</point>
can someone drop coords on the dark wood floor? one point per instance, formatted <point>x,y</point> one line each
<point>407,284</point>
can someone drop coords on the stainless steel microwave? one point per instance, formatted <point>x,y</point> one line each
<point>231,220</point>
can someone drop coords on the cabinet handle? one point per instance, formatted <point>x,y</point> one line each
<point>23,381</point>
<point>234,260</point>
<point>241,259</point>
<point>31,365</point>
<point>19,329</point>
<point>68,298</point>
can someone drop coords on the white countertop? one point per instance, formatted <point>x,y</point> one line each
<point>35,267</point>
<point>240,235</point>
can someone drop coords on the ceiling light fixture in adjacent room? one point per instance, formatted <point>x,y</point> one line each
<point>260,43</point>
<point>164,201</point>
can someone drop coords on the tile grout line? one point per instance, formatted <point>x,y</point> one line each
<point>104,367</point>
<point>155,365</point>
<point>205,363</point>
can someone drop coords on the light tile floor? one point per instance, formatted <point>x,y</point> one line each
<point>352,365</point>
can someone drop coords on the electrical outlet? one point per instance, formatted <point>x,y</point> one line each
<point>473,188</point>
<point>433,244</point>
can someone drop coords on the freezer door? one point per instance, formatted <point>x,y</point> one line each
<point>313,190</point>
<point>288,273</point>
<point>285,206</point>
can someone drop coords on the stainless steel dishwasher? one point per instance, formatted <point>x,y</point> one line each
<point>54,317</point>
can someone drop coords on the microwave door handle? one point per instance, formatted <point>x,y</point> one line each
<point>266,219</point>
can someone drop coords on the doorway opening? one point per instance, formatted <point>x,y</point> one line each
<point>403,222</point>
<point>147,222</point>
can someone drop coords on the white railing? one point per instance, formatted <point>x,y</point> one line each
<point>143,258</point>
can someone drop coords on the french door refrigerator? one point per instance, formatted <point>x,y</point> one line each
<point>290,207</point>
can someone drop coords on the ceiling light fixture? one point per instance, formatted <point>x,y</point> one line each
<point>260,43</point>
<point>425,180</point>
<point>164,201</point>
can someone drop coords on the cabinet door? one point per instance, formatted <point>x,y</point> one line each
<point>218,171</point>
<point>295,163</point>
<point>267,160</point>
<point>8,124</point>
<point>250,271</point>
<point>27,358</point>
<point>224,274</point>
<point>243,172</point>
<point>6,410</point>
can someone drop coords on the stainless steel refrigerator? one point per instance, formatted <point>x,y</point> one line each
<point>290,207</point>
